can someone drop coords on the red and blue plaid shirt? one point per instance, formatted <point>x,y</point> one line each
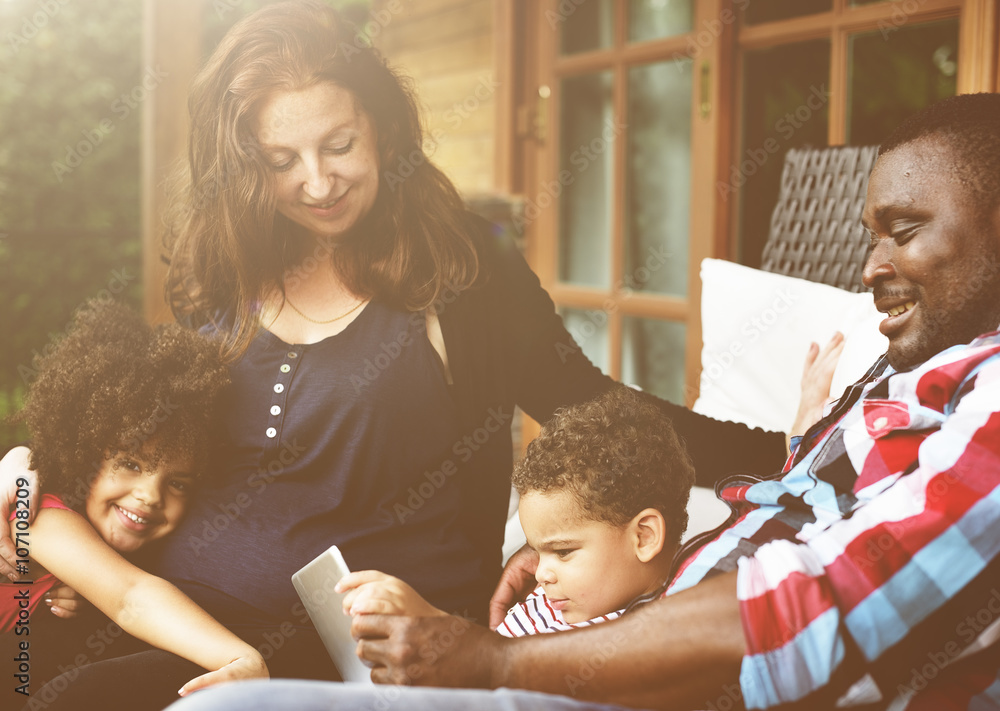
<point>869,571</point>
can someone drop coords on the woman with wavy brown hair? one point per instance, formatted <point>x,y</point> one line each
<point>237,232</point>
<point>379,338</point>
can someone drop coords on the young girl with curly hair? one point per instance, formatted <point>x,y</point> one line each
<point>119,415</point>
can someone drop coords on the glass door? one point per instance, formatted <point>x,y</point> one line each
<point>619,102</point>
<point>835,72</point>
<point>654,133</point>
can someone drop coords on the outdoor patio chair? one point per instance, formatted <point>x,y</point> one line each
<point>816,231</point>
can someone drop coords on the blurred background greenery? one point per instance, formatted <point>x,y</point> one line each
<point>69,166</point>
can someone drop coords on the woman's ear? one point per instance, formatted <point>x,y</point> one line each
<point>649,534</point>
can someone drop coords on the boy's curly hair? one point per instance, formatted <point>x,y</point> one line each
<point>112,385</point>
<point>618,454</point>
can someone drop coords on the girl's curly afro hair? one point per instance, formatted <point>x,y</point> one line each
<point>618,454</point>
<point>115,385</point>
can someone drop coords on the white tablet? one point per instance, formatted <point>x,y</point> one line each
<point>314,583</point>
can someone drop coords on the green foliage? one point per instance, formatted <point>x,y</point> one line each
<point>71,94</point>
<point>69,222</point>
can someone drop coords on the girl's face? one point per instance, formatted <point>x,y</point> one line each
<point>322,150</point>
<point>131,503</point>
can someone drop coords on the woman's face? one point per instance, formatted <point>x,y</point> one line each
<point>322,150</point>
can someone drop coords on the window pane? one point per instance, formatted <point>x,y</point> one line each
<point>659,177</point>
<point>590,331</point>
<point>585,172</point>
<point>895,73</point>
<point>651,19</point>
<point>653,356</point>
<point>785,106</point>
<point>585,27</point>
<point>769,10</point>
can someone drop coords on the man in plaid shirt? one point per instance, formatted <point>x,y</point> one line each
<point>868,573</point>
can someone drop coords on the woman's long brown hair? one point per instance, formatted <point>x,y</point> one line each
<point>228,244</point>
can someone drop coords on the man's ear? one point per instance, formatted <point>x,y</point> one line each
<point>648,531</point>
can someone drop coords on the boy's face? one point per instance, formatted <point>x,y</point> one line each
<point>588,568</point>
<point>133,503</point>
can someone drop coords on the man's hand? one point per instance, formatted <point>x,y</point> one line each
<point>516,581</point>
<point>14,466</point>
<point>427,651</point>
<point>672,653</point>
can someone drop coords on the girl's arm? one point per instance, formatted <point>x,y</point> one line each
<point>145,606</point>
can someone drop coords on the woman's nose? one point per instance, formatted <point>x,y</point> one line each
<point>318,180</point>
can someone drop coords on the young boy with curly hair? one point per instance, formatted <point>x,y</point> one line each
<point>604,490</point>
<point>120,415</point>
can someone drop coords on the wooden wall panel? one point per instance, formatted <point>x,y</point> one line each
<point>447,48</point>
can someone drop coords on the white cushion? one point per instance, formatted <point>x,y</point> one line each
<point>756,331</point>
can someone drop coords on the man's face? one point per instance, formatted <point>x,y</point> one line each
<point>935,263</point>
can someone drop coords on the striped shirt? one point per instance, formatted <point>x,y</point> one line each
<point>536,616</point>
<point>869,572</point>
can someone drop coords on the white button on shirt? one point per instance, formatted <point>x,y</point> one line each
<point>271,432</point>
<point>279,388</point>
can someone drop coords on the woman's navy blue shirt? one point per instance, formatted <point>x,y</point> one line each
<point>352,441</point>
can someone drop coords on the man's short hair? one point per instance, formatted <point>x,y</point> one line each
<point>970,124</point>
<point>618,454</point>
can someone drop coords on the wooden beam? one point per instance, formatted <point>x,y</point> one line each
<point>887,15</point>
<point>506,69</point>
<point>839,87</point>
<point>172,47</point>
<point>631,54</point>
<point>619,185</point>
<point>977,59</point>
<point>712,146</point>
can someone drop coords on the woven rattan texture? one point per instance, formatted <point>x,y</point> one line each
<point>816,231</point>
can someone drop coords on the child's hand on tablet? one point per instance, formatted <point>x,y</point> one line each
<point>370,592</point>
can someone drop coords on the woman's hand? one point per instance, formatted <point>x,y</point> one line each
<point>64,602</point>
<point>14,467</point>
<point>817,375</point>
<point>249,666</point>
<point>516,581</point>
<point>370,592</point>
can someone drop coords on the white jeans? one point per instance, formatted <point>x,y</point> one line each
<point>327,696</point>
